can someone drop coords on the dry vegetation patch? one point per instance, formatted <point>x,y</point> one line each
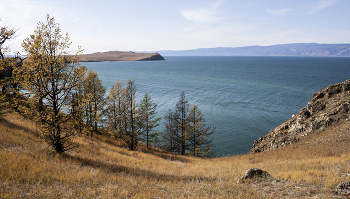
<point>100,168</point>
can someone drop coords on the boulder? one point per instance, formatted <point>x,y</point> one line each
<point>343,188</point>
<point>254,173</point>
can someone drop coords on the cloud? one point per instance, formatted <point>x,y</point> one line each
<point>200,15</point>
<point>325,3</point>
<point>277,12</point>
<point>322,4</point>
<point>203,15</point>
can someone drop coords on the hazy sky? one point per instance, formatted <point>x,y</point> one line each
<point>152,25</point>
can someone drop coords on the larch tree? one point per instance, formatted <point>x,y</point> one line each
<point>9,84</point>
<point>198,134</point>
<point>181,109</point>
<point>115,109</point>
<point>6,34</point>
<point>147,119</point>
<point>78,103</point>
<point>130,131</point>
<point>171,135</point>
<point>49,76</point>
<point>95,102</point>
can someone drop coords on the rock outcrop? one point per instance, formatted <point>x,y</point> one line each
<point>343,188</point>
<point>327,106</point>
<point>254,173</point>
<point>153,58</point>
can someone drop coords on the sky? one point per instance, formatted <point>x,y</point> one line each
<point>154,25</point>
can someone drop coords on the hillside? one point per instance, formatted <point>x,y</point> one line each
<point>295,49</point>
<point>120,56</point>
<point>328,106</point>
<point>100,168</point>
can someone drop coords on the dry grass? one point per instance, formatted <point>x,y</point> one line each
<point>99,168</point>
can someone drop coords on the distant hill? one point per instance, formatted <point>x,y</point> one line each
<point>121,56</point>
<point>296,49</point>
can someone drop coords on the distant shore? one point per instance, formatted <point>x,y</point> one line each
<point>293,49</point>
<point>120,56</point>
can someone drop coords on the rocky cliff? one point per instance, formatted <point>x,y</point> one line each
<point>328,106</point>
<point>154,57</point>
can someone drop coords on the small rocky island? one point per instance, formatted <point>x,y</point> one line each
<point>327,107</point>
<point>120,56</point>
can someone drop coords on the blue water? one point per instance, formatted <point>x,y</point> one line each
<point>243,97</point>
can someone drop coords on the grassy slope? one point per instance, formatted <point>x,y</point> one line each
<point>99,168</point>
<point>116,56</point>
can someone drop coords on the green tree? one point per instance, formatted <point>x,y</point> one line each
<point>49,75</point>
<point>198,134</point>
<point>147,119</point>
<point>95,92</point>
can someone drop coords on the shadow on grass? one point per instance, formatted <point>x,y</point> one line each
<point>168,156</point>
<point>14,126</point>
<point>152,150</point>
<point>109,167</point>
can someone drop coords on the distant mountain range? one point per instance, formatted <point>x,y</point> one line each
<point>295,49</point>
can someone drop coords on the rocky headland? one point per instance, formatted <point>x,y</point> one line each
<point>121,56</point>
<point>327,107</point>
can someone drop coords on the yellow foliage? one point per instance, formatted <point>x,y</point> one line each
<point>49,76</point>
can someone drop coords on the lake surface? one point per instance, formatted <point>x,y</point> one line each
<point>243,97</point>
